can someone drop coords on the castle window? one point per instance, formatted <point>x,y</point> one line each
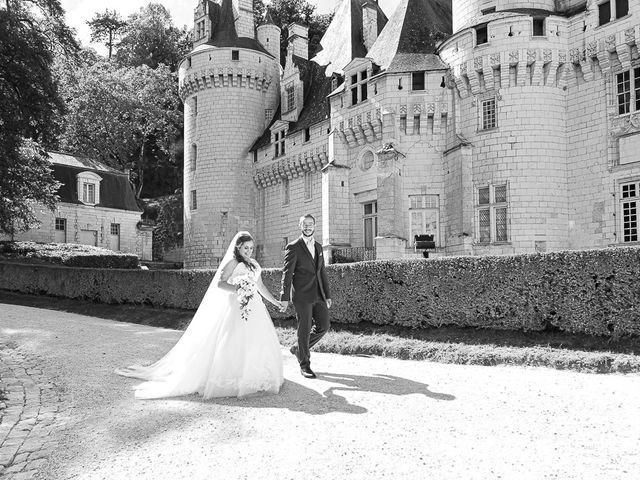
<point>308,185</point>
<point>423,215</point>
<point>291,97</point>
<point>604,13</point>
<point>629,203</point>
<point>359,91</point>
<point>488,114</point>
<point>194,200</point>
<point>482,35</point>
<point>417,81</point>
<point>194,157</point>
<point>403,123</point>
<point>416,124</point>
<point>622,8</point>
<point>628,91</point>
<point>286,192</point>
<point>538,27</point>
<point>278,142</point>
<point>195,106</point>
<point>188,62</point>
<point>88,188</point>
<point>307,134</point>
<point>370,223</point>
<point>491,214</point>
<point>235,54</point>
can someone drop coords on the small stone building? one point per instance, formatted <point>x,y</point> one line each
<point>97,207</point>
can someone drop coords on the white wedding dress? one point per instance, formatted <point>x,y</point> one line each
<point>220,354</point>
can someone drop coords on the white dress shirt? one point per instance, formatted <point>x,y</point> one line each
<point>311,246</point>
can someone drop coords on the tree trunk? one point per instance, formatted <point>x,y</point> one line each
<point>140,171</point>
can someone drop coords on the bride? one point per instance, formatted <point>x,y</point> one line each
<point>230,348</point>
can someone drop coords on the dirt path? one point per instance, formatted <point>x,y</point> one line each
<point>363,417</point>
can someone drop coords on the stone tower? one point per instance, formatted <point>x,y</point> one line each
<point>230,87</point>
<point>509,68</point>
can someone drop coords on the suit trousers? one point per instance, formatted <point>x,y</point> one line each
<point>313,323</point>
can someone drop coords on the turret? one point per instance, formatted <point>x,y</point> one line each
<point>269,36</point>
<point>228,83</point>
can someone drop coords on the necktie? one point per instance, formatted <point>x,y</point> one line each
<point>311,247</point>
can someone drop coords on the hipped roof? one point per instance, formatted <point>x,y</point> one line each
<point>409,40</point>
<point>343,40</point>
<point>115,189</point>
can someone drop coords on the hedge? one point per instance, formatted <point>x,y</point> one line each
<point>68,254</point>
<point>595,291</point>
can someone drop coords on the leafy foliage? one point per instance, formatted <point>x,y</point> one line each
<point>150,38</point>
<point>26,183</point>
<point>68,254</point>
<point>129,118</point>
<point>286,12</point>
<point>170,224</point>
<point>32,32</point>
<point>106,27</point>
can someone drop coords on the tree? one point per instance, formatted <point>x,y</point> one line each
<point>128,117</point>
<point>32,32</point>
<point>26,184</point>
<point>106,27</point>
<point>150,38</point>
<point>285,12</point>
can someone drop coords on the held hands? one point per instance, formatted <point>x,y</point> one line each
<point>283,306</point>
<point>329,302</point>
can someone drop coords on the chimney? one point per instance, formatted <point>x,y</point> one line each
<point>298,41</point>
<point>369,23</point>
<point>245,21</point>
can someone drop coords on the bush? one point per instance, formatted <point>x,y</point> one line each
<point>594,292</point>
<point>67,254</point>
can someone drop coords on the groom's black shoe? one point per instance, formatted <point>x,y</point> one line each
<point>307,372</point>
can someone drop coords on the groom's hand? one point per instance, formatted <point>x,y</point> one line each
<point>283,306</point>
<point>329,302</point>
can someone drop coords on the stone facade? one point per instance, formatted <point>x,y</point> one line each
<point>522,135</point>
<point>112,222</point>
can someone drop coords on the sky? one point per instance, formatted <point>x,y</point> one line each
<point>79,11</point>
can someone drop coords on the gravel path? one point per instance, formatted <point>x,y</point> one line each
<point>363,418</point>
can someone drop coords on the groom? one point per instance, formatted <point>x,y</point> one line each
<point>304,269</point>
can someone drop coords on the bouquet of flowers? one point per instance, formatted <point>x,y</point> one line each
<point>246,289</point>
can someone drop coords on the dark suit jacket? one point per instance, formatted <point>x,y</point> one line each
<point>306,275</point>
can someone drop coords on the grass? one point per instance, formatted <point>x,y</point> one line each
<point>555,349</point>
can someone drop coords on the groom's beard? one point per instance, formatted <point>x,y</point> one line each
<point>307,236</point>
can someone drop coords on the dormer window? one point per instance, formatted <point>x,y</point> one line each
<point>359,92</point>
<point>235,54</point>
<point>278,142</point>
<point>291,97</point>
<point>88,188</point>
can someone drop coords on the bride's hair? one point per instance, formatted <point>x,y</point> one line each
<point>243,237</point>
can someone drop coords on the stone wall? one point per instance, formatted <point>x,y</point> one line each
<point>90,225</point>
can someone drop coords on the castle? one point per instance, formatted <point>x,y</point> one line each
<point>493,126</point>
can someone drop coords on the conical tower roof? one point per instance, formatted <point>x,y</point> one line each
<point>343,40</point>
<point>223,28</point>
<point>409,40</point>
